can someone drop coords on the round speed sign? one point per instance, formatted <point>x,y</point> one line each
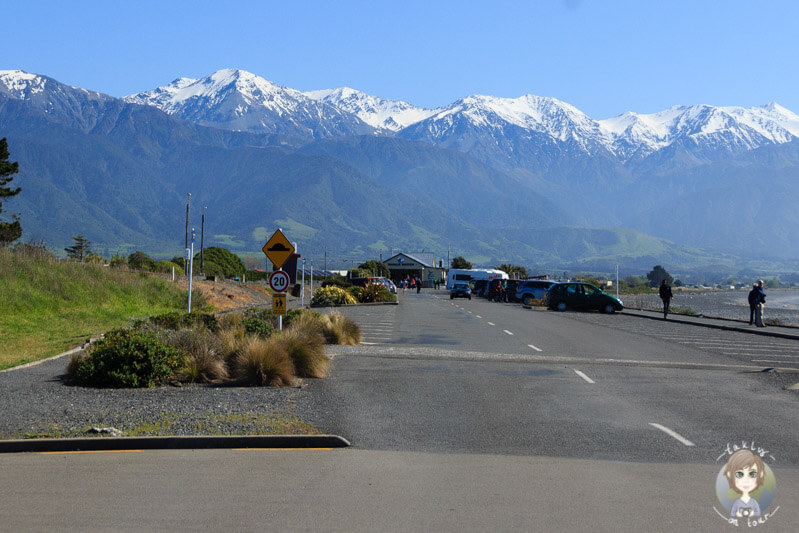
<point>279,281</point>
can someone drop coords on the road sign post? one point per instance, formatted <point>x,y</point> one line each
<point>279,306</point>
<point>278,249</point>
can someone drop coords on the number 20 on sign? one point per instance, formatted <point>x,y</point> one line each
<point>279,304</point>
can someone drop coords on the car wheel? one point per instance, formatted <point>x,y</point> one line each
<point>561,306</point>
<point>451,297</point>
<point>527,299</point>
<point>470,297</point>
<point>609,309</point>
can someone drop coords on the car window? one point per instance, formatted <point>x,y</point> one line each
<point>590,291</point>
<point>571,289</point>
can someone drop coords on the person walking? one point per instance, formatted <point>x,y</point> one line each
<point>418,285</point>
<point>666,296</point>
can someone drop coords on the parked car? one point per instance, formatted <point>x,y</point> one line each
<point>480,287</point>
<point>532,289</point>
<point>460,289</point>
<point>578,295</point>
<point>512,287</point>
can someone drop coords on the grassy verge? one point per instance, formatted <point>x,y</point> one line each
<point>173,424</point>
<point>50,305</point>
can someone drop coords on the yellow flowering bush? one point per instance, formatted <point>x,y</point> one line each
<point>331,295</point>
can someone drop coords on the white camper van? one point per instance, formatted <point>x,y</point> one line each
<point>473,274</point>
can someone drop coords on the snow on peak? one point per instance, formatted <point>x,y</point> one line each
<point>21,84</point>
<point>381,113</point>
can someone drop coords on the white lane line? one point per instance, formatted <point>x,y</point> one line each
<point>773,361</point>
<point>478,316</point>
<point>491,324</point>
<point>535,348</point>
<point>672,433</point>
<point>508,332</point>
<point>370,343</point>
<point>589,380</point>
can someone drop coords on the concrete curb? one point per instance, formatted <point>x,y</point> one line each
<point>192,442</point>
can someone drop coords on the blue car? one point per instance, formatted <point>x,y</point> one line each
<point>460,290</point>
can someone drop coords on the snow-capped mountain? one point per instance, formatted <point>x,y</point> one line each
<point>391,115</point>
<point>734,129</point>
<point>238,100</point>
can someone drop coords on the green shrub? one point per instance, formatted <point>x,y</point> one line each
<point>141,261</point>
<point>165,267</point>
<point>374,292</point>
<point>126,358</point>
<point>261,322</point>
<point>219,259</point>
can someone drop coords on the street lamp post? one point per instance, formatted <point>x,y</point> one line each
<point>187,220</point>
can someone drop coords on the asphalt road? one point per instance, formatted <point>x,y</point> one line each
<point>466,415</point>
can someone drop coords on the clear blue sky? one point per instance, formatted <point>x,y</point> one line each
<point>604,57</point>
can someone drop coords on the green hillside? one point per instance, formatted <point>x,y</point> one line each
<point>49,305</point>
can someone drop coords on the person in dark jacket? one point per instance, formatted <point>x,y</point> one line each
<point>666,296</point>
<point>753,300</point>
<point>761,300</point>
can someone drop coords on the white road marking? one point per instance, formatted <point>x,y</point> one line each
<point>589,380</point>
<point>508,332</point>
<point>478,316</point>
<point>772,361</point>
<point>535,348</point>
<point>491,324</point>
<point>672,433</point>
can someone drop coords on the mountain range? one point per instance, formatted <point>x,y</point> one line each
<point>526,180</point>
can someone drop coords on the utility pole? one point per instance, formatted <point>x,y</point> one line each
<point>187,220</point>
<point>202,238</point>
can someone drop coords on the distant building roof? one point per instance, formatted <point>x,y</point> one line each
<point>426,259</point>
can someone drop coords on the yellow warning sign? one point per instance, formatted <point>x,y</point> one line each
<point>278,249</point>
<point>279,304</point>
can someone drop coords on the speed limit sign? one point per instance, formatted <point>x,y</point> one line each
<point>279,281</point>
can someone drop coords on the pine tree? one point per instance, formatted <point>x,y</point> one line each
<point>80,250</point>
<point>9,231</point>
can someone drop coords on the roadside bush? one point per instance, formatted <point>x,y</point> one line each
<point>261,322</point>
<point>332,296</point>
<point>307,352</point>
<point>140,261</point>
<point>219,259</point>
<point>126,358</point>
<point>165,267</point>
<point>374,292</point>
<point>264,362</point>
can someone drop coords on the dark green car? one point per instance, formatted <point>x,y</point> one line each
<point>578,295</point>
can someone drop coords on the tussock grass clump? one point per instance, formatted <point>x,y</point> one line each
<point>307,352</point>
<point>265,362</point>
<point>339,329</point>
<point>204,360</point>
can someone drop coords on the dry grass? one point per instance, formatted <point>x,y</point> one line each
<point>204,355</point>
<point>265,362</point>
<point>339,329</point>
<point>307,352</point>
